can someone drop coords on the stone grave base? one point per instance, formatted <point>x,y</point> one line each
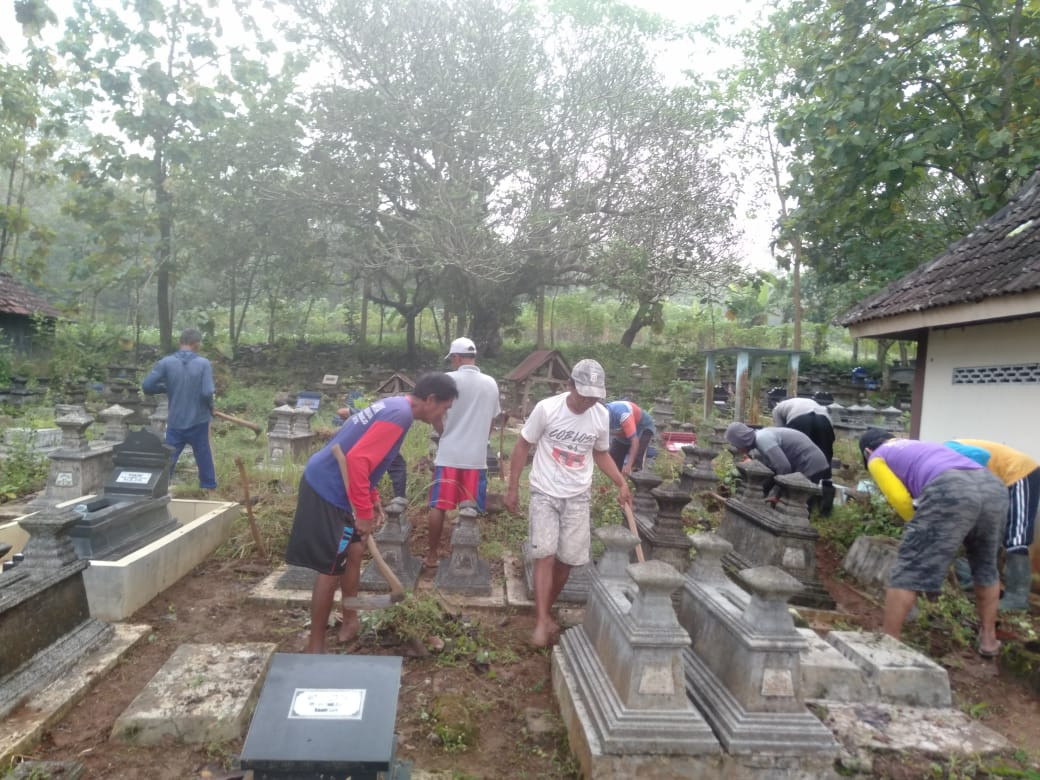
<point>116,589</point>
<point>23,730</point>
<point>597,763</point>
<point>203,694</point>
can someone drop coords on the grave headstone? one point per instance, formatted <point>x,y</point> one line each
<point>44,616</point>
<point>465,571</point>
<point>133,509</point>
<point>393,540</point>
<point>325,716</point>
<point>743,667</point>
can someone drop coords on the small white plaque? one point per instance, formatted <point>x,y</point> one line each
<point>328,703</point>
<point>134,477</point>
<point>656,680</point>
<point>63,479</point>
<point>330,379</point>
<point>777,682</point>
<point>794,558</point>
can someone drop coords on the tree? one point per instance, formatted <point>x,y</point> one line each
<point>28,139</point>
<point>907,124</point>
<point>673,229</point>
<point>141,75</point>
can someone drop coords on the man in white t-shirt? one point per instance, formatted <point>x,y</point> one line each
<point>460,468</point>
<point>570,432</point>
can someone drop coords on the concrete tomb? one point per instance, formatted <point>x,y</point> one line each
<point>289,436</point>
<point>619,676</point>
<point>743,666</point>
<point>666,540</point>
<point>644,505</point>
<point>44,615</point>
<point>465,571</point>
<point>76,468</point>
<point>133,509</point>
<point>326,716</point>
<point>393,539</point>
<point>783,536</point>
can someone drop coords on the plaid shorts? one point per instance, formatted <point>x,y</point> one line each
<point>957,507</point>
<point>559,527</point>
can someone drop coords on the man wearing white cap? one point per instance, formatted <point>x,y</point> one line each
<point>570,432</point>
<point>460,468</point>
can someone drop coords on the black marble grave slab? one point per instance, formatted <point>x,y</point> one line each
<point>324,716</point>
<point>140,467</point>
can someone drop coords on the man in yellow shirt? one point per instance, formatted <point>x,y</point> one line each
<point>1021,475</point>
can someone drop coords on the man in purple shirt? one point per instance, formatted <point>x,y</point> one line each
<point>947,500</point>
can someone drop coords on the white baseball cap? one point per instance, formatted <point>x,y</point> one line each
<point>462,346</point>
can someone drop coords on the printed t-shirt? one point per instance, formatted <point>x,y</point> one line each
<point>564,442</point>
<point>370,439</point>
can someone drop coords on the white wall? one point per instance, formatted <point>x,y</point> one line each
<point>1006,413</point>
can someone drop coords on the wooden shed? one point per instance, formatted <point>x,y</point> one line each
<point>542,373</point>
<point>396,384</point>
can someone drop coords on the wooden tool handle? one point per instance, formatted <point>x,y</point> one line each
<point>396,588</point>
<point>249,508</point>
<point>632,527</point>
<point>238,421</point>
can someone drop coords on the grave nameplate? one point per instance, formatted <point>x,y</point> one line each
<point>140,467</point>
<point>324,716</point>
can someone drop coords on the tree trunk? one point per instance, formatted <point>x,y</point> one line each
<point>163,251</point>
<point>366,290</point>
<point>883,345</point>
<point>486,330</point>
<point>539,307</point>
<point>640,320</point>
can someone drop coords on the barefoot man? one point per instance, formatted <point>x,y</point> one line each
<point>332,519</point>
<point>570,432</point>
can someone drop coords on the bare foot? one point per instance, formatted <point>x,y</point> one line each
<point>542,636</point>
<point>349,630</point>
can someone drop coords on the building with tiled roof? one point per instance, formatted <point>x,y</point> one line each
<point>974,312</point>
<point>18,308</point>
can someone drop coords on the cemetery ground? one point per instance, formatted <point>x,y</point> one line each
<point>476,699</point>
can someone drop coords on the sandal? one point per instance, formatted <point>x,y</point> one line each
<point>988,653</point>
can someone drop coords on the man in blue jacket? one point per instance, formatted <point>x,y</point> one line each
<point>187,379</point>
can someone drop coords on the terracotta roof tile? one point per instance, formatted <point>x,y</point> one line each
<point>17,299</point>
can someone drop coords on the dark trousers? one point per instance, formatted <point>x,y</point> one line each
<point>197,437</point>
<point>619,450</point>
<point>818,428</point>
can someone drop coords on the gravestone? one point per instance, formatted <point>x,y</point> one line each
<point>76,469</point>
<point>743,667</point>
<point>393,541</point>
<point>133,509</point>
<point>44,616</point>
<point>325,716</point>
<point>465,571</point>
<point>157,419</point>
<point>644,505</point>
<point>619,675</point>
<point>116,423</point>
<point>667,540</point>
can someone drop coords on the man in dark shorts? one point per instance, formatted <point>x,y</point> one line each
<point>947,500</point>
<point>331,518</point>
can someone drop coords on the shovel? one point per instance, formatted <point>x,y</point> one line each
<point>396,589</point>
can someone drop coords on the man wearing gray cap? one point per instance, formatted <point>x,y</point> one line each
<point>570,432</point>
<point>460,467</point>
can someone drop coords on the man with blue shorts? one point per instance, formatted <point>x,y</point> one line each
<point>460,468</point>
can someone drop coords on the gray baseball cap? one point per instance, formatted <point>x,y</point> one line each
<point>589,379</point>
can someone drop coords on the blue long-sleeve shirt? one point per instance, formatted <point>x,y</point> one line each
<point>187,380</point>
